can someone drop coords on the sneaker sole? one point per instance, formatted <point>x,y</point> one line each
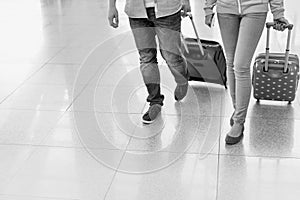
<point>147,122</point>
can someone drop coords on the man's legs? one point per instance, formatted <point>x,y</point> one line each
<point>144,35</point>
<point>168,31</point>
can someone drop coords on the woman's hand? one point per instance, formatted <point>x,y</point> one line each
<point>280,24</point>
<point>209,19</point>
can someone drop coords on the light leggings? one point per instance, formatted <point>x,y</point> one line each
<point>240,35</point>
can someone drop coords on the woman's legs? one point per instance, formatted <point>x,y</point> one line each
<point>229,27</point>
<point>249,31</point>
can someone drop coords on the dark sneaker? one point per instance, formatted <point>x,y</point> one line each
<point>150,116</point>
<point>180,91</point>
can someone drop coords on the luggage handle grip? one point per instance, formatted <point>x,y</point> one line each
<point>290,27</point>
<point>271,24</point>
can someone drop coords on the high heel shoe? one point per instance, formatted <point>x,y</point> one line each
<point>234,140</point>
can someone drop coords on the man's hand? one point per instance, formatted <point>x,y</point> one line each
<point>113,17</point>
<point>209,20</point>
<point>186,8</point>
<point>280,24</point>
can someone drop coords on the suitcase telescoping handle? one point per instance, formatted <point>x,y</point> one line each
<point>287,51</point>
<point>196,33</point>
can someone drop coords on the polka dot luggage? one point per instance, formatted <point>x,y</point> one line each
<point>276,75</point>
<point>205,59</point>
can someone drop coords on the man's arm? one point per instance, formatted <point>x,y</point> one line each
<point>113,16</point>
<point>209,5</point>
<point>209,13</point>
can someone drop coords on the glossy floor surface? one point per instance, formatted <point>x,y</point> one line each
<point>71,101</point>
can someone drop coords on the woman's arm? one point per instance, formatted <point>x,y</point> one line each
<point>277,8</point>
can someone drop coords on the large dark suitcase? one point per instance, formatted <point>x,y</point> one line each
<point>205,59</point>
<point>276,75</point>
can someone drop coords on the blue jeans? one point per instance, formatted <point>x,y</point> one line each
<point>167,29</point>
<point>240,35</point>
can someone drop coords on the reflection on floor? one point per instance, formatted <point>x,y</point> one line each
<point>71,100</point>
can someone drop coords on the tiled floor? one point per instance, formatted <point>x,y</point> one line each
<point>71,99</point>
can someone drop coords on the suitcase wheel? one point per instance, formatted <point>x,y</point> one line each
<point>290,102</point>
<point>257,100</point>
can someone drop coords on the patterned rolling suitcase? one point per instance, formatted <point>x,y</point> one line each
<point>205,59</point>
<point>276,75</point>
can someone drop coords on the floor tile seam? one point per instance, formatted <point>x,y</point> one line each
<point>110,86</point>
<point>174,152</point>
<point>135,127</point>
<point>59,146</point>
<point>54,55</point>
<point>116,171</point>
<point>16,108</point>
<point>136,65</point>
<point>147,151</point>
<point>183,153</point>
<point>80,63</point>
<point>64,63</point>
<point>190,149</point>
<point>76,97</point>
<point>60,118</point>
<point>23,83</point>
<point>53,46</point>
<point>48,132</point>
<point>260,156</point>
<point>52,84</point>
<point>124,151</point>
<point>141,113</point>
<point>219,150</point>
<point>30,76</point>
<point>39,145</point>
<point>84,87</point>
<point>20,167</point>
<point>105,112</point>
<point>167,114</point>
<point>70,111</point>
<point>257,117</point>
<point>62,84</point>
<point>34,149</point>
<point>193,115</point>
<point>64,66</point>
<point>78,147</point>
<point>86,149</point>
<point>57,53</point>
<point>28,109</point>
<point>62,113</point>
<point>53,128</point>
<point>34,196</point>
